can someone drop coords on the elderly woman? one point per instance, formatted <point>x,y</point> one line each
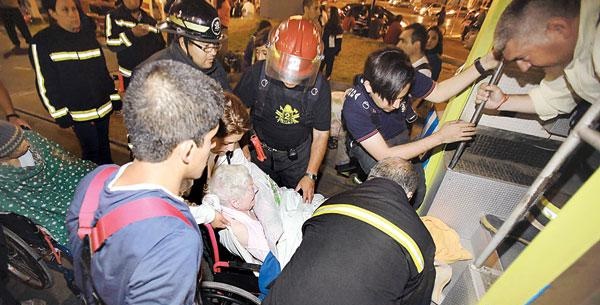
<point>235,196</point>
<point>38,178</point>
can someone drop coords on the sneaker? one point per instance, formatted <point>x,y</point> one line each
<point>524,231</point>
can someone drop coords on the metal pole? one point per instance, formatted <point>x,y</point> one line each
<point>541,182</point>
<point>477,115</point>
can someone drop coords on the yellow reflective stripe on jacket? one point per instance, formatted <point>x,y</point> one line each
<point>79,55</point>
<point>125,72</point>
<point>115,97</point>
<point>108,31</point>
<point>125,23</point>
<point>54,113</point>
<point>548,208</point>
<point>91,114</point>
<point>124,39</point>
<point>380,223</point>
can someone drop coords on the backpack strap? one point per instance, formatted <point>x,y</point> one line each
<point>131,212</point>
<point>380,223</point>
<point>88,208</point>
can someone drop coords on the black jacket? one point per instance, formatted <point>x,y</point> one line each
<point>344,261</point>
<point>174,52</point>
<point>131,50</point>
<point>71,75</point>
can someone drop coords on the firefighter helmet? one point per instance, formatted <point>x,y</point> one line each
<point>295,51</point>
<point>194,19</point>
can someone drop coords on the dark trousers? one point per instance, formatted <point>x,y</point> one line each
<point>93,138</point>
<point>366,161</point>
<point>327,64</point>
<point>283,170</point>
<point>5,297</point>
<point>13,19</point>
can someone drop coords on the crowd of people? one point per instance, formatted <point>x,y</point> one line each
<point>256,149</point>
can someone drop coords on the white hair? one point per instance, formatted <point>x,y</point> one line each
<point>229,182</point>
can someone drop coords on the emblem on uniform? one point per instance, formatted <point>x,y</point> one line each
<point>365,105</point>
<point>287,115</point>
<point>216,26</point>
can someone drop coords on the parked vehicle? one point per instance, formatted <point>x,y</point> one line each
<point>366,16</point>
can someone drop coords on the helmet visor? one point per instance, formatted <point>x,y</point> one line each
<point>292,69</point>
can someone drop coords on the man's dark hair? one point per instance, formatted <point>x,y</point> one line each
<point>523,19</point>
<point>419,33</point>
<point>398,170</point>
<point>166,103</point>
<point>388,70</point>
<point>261,37</point>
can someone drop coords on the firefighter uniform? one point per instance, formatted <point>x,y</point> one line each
<point>74,85</point>
<point>131,50</point>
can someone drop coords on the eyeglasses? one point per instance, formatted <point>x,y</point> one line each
<point>207,48</point>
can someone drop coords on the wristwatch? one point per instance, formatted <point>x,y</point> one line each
<point>311,176</point>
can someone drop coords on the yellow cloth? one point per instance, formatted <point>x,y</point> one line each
<point>447,242</point>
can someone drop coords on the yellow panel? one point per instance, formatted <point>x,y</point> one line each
<point>557,247</point>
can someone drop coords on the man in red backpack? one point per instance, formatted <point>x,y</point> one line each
<point>144,245</point>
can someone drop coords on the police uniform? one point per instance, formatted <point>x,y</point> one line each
<point>363,119</point>
<point>283,119</point>
<point>131,50</point>
<point>74,85</point>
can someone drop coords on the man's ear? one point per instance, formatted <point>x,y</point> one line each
<point>561,26</point>
<point>367,85</point>
<point>234,203</point>
<point>184,150</point>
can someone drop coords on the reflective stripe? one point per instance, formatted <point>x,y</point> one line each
<point>113,42</point>
<point>153,29</point>
<point>125,72</point>
<point>108,25</point>
<point>339,36</point>
<point>189,25</point>
<point>124,39</point>
<point>115,97</point>
<point>91,114</point>
<point>125,23</point>
<point>379,223</point>
<point>40,81</point>
<point>80,55</point>
<point>548,209</point>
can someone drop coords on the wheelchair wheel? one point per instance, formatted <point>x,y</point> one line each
<point>25,263</point>
<point>215,293</point>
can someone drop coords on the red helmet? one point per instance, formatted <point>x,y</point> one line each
<point>295,51</point>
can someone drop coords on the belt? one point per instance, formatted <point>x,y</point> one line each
<point>272,149</point>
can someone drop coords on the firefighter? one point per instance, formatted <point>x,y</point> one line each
<point>72,79</point>
<point>132,34</point>
<point>291,105</point>
<point>197,36</point>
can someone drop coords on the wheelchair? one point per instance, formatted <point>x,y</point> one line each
<point>225,278</point>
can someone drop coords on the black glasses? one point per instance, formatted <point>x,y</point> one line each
<point>208,47</point>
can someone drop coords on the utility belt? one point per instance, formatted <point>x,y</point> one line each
<point>260,147</point>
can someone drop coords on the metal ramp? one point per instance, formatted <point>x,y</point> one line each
<point>502,173</point>
<point>493,174</point>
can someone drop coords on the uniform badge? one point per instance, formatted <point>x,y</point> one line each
<point>287,115</point>
<point>216,26</point>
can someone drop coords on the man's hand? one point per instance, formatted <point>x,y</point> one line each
<point>140,30</point>
<point>489,61</point>
<point>220,221</point>
<point>455,131</point>
<point>492,94</point>
<point>19,122</point>
<point>307,185</point>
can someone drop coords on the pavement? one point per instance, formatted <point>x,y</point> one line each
<point>18,77</point>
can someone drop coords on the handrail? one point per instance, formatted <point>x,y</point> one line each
<point>477,114</point>
<point>582,131</point>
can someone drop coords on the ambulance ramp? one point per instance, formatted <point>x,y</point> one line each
<point>491,177</point>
